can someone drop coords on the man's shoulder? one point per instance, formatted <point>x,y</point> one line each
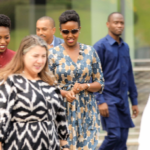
<point>101,41</point>
<point>59,40</point>
<point>11,51</point>
<point>126,44</point>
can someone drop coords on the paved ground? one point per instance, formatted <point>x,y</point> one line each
<point>130,148</point>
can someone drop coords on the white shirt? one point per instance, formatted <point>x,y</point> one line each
<point>52,42</point>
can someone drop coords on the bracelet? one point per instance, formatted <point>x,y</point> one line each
<point>64,146</point>
<point>88,86</point>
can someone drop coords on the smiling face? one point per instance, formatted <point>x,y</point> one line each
<point>4,38</point>
<point>46,30</point>
<point>116,24</point>
<point>35,60</point>
<point>70,38</point>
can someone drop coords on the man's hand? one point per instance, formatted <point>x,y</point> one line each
<point>103,109</point>
<point>135,111</point>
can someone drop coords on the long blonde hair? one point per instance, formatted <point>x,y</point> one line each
<point>16,65</point>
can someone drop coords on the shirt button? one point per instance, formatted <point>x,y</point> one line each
<point>124,83</point>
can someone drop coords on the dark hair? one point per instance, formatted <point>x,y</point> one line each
<point>69,15</point>
<point>108,19</point>
<point>5,21</point>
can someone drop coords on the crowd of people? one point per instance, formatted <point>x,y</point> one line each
<point>55,92</point>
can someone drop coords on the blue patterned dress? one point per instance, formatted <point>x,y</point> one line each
<point>82,113</point>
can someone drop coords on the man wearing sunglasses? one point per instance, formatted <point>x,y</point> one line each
<point>45,28</point>
<point>119,80</point>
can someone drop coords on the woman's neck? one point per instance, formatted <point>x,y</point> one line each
<point>30,76</point>
<point>72,48</point>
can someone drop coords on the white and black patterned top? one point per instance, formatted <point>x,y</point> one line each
<point>32,116</point>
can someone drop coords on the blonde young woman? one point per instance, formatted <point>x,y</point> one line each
<point>32,116</point>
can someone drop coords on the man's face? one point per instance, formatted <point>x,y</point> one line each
<point>45,30</point>
<point>116,24</point>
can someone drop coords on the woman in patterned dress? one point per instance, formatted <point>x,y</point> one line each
<point>74,64</point>
<point>32,115</point>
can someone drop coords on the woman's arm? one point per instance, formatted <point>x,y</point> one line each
<point>62,143</point>
<point>0,146</point>
<point>93,87</point>
<point>7,101</point>
<point>69,95</point>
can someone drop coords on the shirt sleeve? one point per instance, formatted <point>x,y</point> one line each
<point>132,87</point>
<point>7,98</point>
<point>100,51</point>
<point>61,122</point>
<point>97,74</point>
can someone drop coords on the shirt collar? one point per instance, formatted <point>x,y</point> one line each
<point>113,41</point>
<point>52,42</point>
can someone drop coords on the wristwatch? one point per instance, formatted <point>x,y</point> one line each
<point>88,86</point>
<point>64,146</point>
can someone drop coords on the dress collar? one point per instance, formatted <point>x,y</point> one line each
<point>4,52</point>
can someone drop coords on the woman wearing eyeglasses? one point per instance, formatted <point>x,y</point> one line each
<point>74,64</point>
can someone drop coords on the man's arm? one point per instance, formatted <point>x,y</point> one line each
<point>132,91</point>
<point>102,105</point>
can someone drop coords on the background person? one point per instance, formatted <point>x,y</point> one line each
<point>45,28</point>
<point>5,54</point>
<point>145,128</point>
<point>32,115</point>
<point>73,65</point>
<point>113,103</point>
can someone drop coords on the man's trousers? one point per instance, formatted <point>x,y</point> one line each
<point>116,139</point>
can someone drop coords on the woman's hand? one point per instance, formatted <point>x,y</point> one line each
<point>79,87</point>
<point>70,96</point>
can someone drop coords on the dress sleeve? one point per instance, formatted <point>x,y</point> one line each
<point>7,98</point>
<point>52,67</point>
<point>61,122</point>
<point>97,74</point>
<point>51,61</point>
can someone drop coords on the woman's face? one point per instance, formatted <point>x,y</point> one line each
<point>4,38</point>
<point>70,32</point>
<point>35,60</point>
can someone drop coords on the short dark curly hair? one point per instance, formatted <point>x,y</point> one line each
<point>69,15</point>
<point>5,21</point>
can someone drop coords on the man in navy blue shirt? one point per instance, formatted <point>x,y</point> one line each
<point>119,81</point>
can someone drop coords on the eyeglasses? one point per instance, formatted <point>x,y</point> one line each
<point>73,31</point>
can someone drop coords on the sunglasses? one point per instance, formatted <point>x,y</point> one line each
<point>73,31</point>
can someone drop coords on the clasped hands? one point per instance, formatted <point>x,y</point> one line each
<point>70,95</point>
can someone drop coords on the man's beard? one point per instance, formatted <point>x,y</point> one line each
<point>116,34</point>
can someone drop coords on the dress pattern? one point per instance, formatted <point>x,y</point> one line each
<point>32,115</point>
<point>82,113</point>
